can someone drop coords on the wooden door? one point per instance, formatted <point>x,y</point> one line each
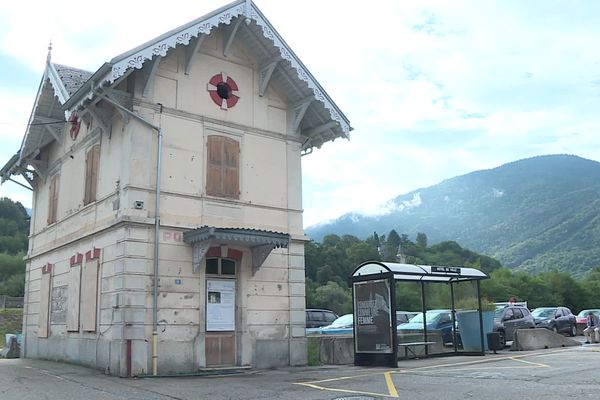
<point>220,349</point>
<point>220,322</point>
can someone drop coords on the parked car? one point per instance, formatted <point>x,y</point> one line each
<point>581,318</point>
<point>510,318</point>
<point>317,317</point>
<point>344,324</point>
<point>402,317</point>
<point>557,319</point>
<point>435,319</point>
<point>341,326</point>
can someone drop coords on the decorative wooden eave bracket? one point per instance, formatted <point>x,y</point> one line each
<point>230,32</point>
<point>120,97</point>
<point>298,112</point>
<point>260,242</point>
<point>191,54</point>
<point>100,116</point>
<point>150,74</point>
<point>266,71</point>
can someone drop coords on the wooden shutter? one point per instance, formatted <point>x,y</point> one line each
<point>44,305</point>
<point>215,162</point>
<point>223,167</point>
<point>73,298</point>
<point>92,159</point>
<point>231,157</point>
<point>89,294</point>
<point>52,199</point>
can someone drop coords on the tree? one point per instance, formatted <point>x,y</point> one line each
<point>14,227</point>
<point>333,297</point>
<point>422,240</point>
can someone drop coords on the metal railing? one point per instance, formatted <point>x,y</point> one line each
<point>11,302</point>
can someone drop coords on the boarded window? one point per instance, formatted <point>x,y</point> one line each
<point>89,294</point>
<point>52,199</point>
<point>44,304</point>
<point>73,296</point>
<point>223,175</point>
<point>92,158</point>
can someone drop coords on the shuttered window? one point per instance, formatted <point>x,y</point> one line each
<point>52,199</point>
<point>223,174</point>
<point>92,158</point>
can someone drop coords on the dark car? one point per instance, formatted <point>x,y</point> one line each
<point>317,317</point>
<point>510,318</point>
<point>403,317</point>
<point>557,319</point>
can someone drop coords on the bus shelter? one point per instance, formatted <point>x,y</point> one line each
<point>376,339</point>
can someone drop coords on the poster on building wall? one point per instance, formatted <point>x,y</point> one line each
<point>372,317</point>
<point>58,305</point>
<point>220,305</point>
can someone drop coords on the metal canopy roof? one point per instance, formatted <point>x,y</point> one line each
<point>246,237</point>
<point>260,242</point>
<point>425,273</point>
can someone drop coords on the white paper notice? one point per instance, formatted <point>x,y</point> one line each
<point>220,305</point>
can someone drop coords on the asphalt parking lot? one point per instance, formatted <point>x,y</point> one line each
<point>545,374</point>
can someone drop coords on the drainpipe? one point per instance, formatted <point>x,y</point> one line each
<point>156,227</point>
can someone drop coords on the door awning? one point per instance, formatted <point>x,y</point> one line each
<point>260,242</point>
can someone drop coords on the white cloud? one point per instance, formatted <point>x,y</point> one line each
<point>433,89</point>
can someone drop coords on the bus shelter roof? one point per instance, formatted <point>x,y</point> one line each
<point>412,272</point>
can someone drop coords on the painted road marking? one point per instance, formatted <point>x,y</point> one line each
<point>448,367</point>
<point>390,384</point>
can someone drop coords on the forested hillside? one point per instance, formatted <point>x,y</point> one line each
<point>14,227</point>
<point>537,214</point>
<point>330,264</point>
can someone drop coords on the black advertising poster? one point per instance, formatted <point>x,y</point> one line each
<point>372,316</point>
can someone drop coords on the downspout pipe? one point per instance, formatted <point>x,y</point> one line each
<point>156,226</point>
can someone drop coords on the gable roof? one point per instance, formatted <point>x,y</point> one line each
<point>323,122</point>
<point>47,117</point>
<point>315,116</point>
<point>71,78</point>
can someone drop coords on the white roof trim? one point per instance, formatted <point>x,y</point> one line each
<point>287,54</point>
<point>182,36</point>
<point>59,89</point>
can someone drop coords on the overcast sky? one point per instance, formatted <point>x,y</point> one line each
<point>433,89</point>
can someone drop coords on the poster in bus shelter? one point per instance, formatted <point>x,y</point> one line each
<point>372,317</point>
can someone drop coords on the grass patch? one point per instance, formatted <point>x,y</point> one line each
<point>313,351</point>
<point>11,321</point>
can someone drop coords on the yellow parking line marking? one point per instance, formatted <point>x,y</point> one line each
<point>342,390</point>
<point>475,362</point>
<point>342,378</point>
<point>531,363</point>
<point>393,392</point>
<point>390,384</point>
<point>488,368</point>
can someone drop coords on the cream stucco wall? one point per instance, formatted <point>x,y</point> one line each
<point>270,303</point>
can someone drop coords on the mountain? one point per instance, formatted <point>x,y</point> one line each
<point>535,214</point>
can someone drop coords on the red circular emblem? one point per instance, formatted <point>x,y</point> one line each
<point>223,91</point>
<point>75,125</point>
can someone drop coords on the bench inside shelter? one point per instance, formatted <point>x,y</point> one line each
<point>412,343</point>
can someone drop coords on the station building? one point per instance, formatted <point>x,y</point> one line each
<point>166,232</point>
